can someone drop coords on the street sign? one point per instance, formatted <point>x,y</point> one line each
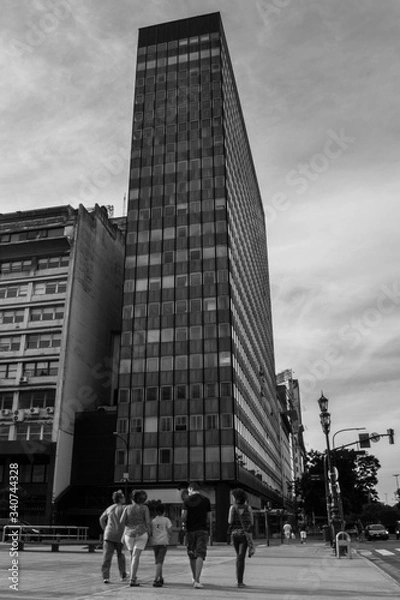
<point>374,437</point>
<point>364,440</point>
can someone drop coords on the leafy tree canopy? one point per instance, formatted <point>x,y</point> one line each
<point>357,480</point>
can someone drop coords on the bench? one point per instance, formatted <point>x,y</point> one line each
<point>92,545</point>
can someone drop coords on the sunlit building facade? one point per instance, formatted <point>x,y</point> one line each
<point>197,395</point>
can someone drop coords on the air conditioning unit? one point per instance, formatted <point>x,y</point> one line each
<point>35,410</point>
<point>5,412</point>
<point>19,415</point>
<point>23,380</point>
<point>50,410</point>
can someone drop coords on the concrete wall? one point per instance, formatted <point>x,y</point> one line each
<point>93,313</point>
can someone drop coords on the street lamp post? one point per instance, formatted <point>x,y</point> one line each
<point>125,476</point>
<point>333,500</point>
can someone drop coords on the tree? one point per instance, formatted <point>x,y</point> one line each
<point>357,480</point>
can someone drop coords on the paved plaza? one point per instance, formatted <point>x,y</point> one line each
<point>277,572</point>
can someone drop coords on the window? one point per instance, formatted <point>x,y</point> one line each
<point>196,361</point>
<point>122,426</point>
<point>165,424</point>
<point>167,335</point>
<point>212,421</point>
<point>40,398</point>
<point>196,422</point>
<point>167,308</point>
<point>150,456</point>
<point>167,363</point>
<point>44,368</point>
<point>181,334</point>
<point>43,340</point>
<point>50,287</point>
<point>137,395</point>
<point>210,390</point>
<point>47,313</point>
<point>196,390</point>
<point>152,394</point>
<point>53,262</point>
<point>165,456</point>
<point>224,359</point>
<point>8,370</point>
<point>181,423</point>
<point>226,421</point>
<point>151,424</point>
<point>166,392</point>
<point>6,400</point>
<point>13,291</point>
<point>196,332</point>
<point>152,365</point>
<point>210,360</point>
<point>16,266</point>
<point>123,395</point>
<point>11,316</point>
<point>180,392</point>
<point>226,388</point>
<point>181,306</point>
<point>181,362</point>
<point>210,304</point>
<point>9,343</point>
<point>153,336</point>
<point>195,279</point>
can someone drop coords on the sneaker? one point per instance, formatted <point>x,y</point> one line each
<point>106,581</point>
<point>162,580</point>
<point>134,583</point>
<point>241,585</point>
<point>157,584</point>
<point>197,585</point>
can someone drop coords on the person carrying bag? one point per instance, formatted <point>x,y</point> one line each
<point>240,520</point>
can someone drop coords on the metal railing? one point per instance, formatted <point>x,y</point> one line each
<point>45,533</point>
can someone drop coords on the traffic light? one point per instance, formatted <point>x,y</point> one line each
<point>390,433</point>
<point>363,440</point>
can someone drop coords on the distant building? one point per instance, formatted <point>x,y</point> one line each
<point>197,393</point>
<point>61,275</point>
<point>292,442</point>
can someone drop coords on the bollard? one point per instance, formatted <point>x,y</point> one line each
<point>343,544</point>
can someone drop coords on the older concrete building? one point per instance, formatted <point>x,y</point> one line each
<point>61,272</point>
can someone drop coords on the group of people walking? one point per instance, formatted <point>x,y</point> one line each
<point>131,525</point>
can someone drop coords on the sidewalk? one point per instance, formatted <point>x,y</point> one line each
<point>277,572</point>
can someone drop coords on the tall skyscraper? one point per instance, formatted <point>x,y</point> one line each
<point>197,395</point>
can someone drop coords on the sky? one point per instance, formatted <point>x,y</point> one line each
<point>319,82</point>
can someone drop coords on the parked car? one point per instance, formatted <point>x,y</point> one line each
<point>376,531</point>
<point>30,533</point>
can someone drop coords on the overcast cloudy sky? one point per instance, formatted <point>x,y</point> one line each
<point>319,86</point>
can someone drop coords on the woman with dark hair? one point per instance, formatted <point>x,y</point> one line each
<point>240,520</point>
<point>136,519</point>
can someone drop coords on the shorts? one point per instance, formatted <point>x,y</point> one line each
<point>196,542</point>
<point>137,542</point>
<point>159,554</point>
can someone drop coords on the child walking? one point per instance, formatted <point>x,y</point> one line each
<point>161,531</point>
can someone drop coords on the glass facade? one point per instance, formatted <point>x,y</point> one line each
<point>196,377</point>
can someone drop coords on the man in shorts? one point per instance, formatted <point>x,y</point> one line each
<point>195,520</point>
